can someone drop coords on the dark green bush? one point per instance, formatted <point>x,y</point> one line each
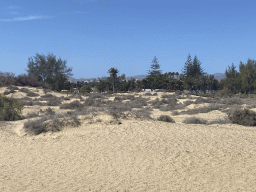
<point>165,118</point>
<point>10,109</point>
<point>244,117</point>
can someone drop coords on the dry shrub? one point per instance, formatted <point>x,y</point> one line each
<point>32,115</point>
<point>49,111</point>
<point>207,109</point>
<point>53,101</point>
<point>194,120</point>
<point>12,87</point>
<point>187,103</point>
<point>24,90</point>
<point>50,123</point>
<point>231,101</point>
<point>32,94</point>
<point>6,92</point>
<point>148,94</point>
<point>244,117</point>
<point>46,96</point>
<point>72,105</point>
<point>174,113</point>
<point>165,118</point>
<point>220,121</point>
<point>139,102</point>
<point>47,91</point>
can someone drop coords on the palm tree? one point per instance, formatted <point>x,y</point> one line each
<point>112,71</point>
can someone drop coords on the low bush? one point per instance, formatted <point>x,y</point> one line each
<point>244,117</point>
<point>231,101</point>
<point>6,92</point>
<point>47,91</point>
<point>220,121</point>
<point>139,102</point>
<point>72,105</point>
<point>46,96</point>
<point>32,115</point>
<point>24,90</point>
<point>13,87</point>
<point>10,109</point>
<point>32,94</point>
<point>49,111</point>
<point>207,109</point>
<point>194,120</point>
<point>54,101</point>
<point>187,103</point>
<point>174,113</point>
<point>165,118</point>
<point>148,94</point>
<point>50,123</point>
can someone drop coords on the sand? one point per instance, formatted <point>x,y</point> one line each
<point>133,156</point>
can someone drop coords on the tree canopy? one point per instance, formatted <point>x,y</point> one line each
<point>49,70</point>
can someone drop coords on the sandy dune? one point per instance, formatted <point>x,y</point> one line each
<point>133,156</point>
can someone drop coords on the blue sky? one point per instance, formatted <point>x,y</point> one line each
<point>95,35</point>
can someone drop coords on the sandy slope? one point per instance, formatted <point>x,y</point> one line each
<point>133,156</point>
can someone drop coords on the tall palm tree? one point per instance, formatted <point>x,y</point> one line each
<point>113,73</point>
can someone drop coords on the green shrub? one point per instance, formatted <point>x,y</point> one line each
<point>194,120</point>
<point>85,89</point>
<point>165,118</point>
<point>10,109</point>
<point>244,117</point>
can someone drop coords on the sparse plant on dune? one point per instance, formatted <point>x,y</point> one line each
<point>165,118</point>
<point>194,120</point>
<point>51,123</point>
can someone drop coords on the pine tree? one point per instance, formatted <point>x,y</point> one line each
<point>196,67</point>
<point>155,66</point>
<point>187,70</point>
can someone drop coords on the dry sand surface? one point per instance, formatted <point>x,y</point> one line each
<point>135,156</point>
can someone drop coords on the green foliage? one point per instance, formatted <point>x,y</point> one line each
<point>86,89</point>
<point>49,70</point>
<point>7,79</point>
<point>113,75</point>
<point>192,69</point>
<point>10,109</point>
<point>248,76</point>
<point>155,66</point>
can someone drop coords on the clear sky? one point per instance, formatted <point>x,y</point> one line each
<point>95,35</point>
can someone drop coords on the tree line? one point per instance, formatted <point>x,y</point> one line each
<point>52,73</point>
